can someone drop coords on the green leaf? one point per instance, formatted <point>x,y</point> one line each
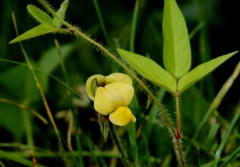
<point>149,70</point>
<point>176,51</point>
<point>200,71</point>
<point>50,59</point>
<point>61,13</point>
<point>34,32</point>
<point>40,15</point>
<point>10,119</point>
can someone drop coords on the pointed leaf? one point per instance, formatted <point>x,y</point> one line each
<point>200,71</point>
<point>149,70</point>
<point>40,15</point>
<point>34,32</point>
<point>61,13</point>
<point>177,51</point>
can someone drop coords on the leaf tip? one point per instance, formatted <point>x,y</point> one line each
<point>12,42</point>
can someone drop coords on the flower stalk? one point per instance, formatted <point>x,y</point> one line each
<point>119,145</point>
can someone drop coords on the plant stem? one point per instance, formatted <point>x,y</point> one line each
<point>119,145</point>
<point>23,107</point>
<point>28,128</point>
<point>100,18</point>
<point>178,114</point>
<point>45,103</point>
<point>168,121</point>
<point>73,111</point>
<point>48,74</point>
<point>225,137</point>
<point>61,60</point>
<point>217,101</point>
<point>134,26</point>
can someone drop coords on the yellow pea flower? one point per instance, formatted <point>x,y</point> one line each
<point>112,96</point>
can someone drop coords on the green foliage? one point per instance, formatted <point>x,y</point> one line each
<point>50,59</point>
<point>35,32</point>
<point>177,56</point>
<point>61,13</point>
<point>149,69</point>
<point>218,140</point>
<point>10,120</point>
<point>200,71</point>
<point>16,158</point>
<point>39,15</point>
<point>177,51</point>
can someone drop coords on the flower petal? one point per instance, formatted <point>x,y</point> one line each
<point>118,77</point>
<point>104,102</point>
<point>100,78</point>
<point>122,92</point>
<point>122,116</point>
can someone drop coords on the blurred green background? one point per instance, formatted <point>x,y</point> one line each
<point>218,34</point>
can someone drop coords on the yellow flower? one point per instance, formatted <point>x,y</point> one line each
<point>112,95</point>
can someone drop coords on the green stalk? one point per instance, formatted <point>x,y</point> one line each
<point>119,145</point>
<point>134,26</point>
<point>168,121</point>
<point>230,157</point>
<point>23,107</point>
<point>17,158</point>
<point>100,18</point>
<point>63,68</point>
<point>73,110</point>
<point>217,100</point>
<point>178,114</point>
<point>2,164</point>
<point>196,29</point>
<point>48,74</point>
<point>225,137</point>
<point>49,113</point>
<point>28,128</point>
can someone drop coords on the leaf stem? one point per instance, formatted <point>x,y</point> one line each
<point>178,114</point>
<point>119,145</point>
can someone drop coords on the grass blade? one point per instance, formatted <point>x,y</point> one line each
<point>225,137</point>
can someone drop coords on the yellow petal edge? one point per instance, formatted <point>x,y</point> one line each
<point>118,77</point>
<point>122,116</point>
<point>89,83</point>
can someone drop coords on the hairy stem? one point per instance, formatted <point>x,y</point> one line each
<point>119,145</point>
<point>168,121</point>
